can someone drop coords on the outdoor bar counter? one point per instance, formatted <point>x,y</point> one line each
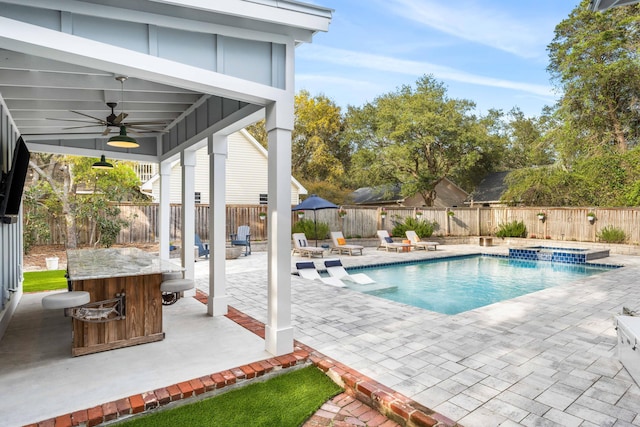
<point>125,305</point>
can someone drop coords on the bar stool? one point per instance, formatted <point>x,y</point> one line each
<point>173,285</point>
<point>65,300</point>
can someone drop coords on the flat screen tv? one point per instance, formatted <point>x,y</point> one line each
<point>13,184</point>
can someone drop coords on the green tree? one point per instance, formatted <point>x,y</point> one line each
<point>526,145</point>
<point>68,186</point>
<point>416,137</point>
<point>318,152</point>
<point>594,61</point>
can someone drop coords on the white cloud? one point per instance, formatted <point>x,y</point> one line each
<point>476,22</point>
<point>353,59</point>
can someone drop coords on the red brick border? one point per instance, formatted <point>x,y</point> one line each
<point>389,403</point>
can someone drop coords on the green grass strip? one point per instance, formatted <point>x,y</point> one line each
<point>286,400</point>
<point>50,280</point>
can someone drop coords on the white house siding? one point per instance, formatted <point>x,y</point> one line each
<point>11,259</point>
<point>246,176</point>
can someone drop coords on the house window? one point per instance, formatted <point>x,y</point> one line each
<point>263,199</point>
<point>198,197</point>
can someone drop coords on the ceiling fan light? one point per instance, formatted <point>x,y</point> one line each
<point>123,140</point>
<point>102,164</point>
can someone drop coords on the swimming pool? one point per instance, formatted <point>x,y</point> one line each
<point>454,285</point>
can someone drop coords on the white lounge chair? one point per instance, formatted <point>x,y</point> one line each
<point>301,246</point>
<point>307,270</point>
<point>388,244</point>
<point>335,269</point>
<point>419,244</point>
<point>340,244</point>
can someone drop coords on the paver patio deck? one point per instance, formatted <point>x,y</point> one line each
<point>547,358</point>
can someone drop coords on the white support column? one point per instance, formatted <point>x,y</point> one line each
<point>278,332</point>
<point>188,160</point>
<point>164,210</point>
<point>218,300</point>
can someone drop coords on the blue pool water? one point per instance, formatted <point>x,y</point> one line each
<point>454,285</point>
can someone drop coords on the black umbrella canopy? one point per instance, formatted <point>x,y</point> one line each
<point>314,203</point>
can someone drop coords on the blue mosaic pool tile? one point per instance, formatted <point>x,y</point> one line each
<point>444,258</point>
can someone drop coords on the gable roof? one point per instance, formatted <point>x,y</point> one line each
<point>490,189</point>
<point>447,194</point>
<point>147,186</point>
<point>389,193</point>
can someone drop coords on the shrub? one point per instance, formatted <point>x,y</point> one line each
<point>512,229</point>
<point>423,228</point>
<point>610,234</point>
<point>308,227</point>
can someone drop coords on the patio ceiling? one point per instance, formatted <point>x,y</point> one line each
<point>49,100</point>
<point>219,63</point>
<point>602,5</point>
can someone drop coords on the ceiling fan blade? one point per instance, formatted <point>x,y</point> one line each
<point>81,127</point>
<point>146,129</point>
<point>120,117</point>
<point>133,132</point>
<point>106,131</point>
<point>87,115</point>
<point>71,120</point>
<point>149,123</point>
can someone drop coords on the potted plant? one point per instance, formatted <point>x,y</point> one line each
<point>342,213</point>
<point>300,215</point>
<point>591,217</point>
<point>383,213</point>
<point>451,213</point>
<point>542,216</point>
<point>418,214</point>
<point>262,216</point>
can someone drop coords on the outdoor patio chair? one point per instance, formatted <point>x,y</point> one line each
<point>387,243</point>
<point>307,270</point>
<point>242,238</point>
<point>301,246</point>
<point>419,244</point>
<point>340,244</point>
<point>335,269</point>
<point>203,251</point>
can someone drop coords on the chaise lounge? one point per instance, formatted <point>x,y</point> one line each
<point>301,246</point>
<point>387,243</point>
<point>340,244</point>
<point>335,269</point>
<point>307,270</point>
<point>419,244</point>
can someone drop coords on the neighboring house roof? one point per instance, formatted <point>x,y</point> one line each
<point>447,194</point>
<point>244,137</point>
<point>490,189</point>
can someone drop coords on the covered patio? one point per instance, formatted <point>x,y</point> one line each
<point>182,76</point>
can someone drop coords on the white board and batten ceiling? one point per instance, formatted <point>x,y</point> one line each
<point>246,175</point>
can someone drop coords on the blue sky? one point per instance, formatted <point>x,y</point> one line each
<point>493,52</point>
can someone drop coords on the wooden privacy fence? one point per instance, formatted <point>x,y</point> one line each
<point>569,223</point>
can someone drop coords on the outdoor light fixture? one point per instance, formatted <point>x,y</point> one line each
<point>102,164</point>
<point>123,140</point>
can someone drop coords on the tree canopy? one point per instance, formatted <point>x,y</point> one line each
<point>68,186</point>
<point>594,62</point>
<point>416,137</point>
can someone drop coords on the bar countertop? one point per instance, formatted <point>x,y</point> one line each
<point>84,264</point>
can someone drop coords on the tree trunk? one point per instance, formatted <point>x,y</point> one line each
<point>618,133</point>
<point>68,210</point>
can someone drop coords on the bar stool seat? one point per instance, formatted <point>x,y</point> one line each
<point>170,275</point>
<point>65,299</point>
<point>177,285</point>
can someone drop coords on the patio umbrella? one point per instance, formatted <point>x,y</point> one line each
<point>314,203</point>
